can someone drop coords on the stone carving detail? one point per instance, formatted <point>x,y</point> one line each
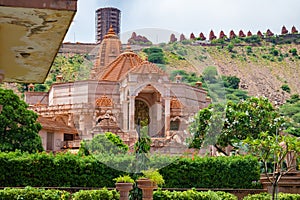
<point>249,34</point>
<point>212,35</point>
<point>284,30</point>
<point>202,37</point>
<point>241,34</point>
<point>259,34</point>
<point>175,103</point>
<point>192,36</point>
<point>294,30</point>
<point>173,38</point>
<point>269,33</point>
<point>182,37</point>
<point>222,35</point>
<point>138,39</point>
<point>104,101</point>
<point>232,34</point>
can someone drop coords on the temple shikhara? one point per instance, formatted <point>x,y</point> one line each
<point>123,92</point>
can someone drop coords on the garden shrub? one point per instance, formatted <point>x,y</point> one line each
<point>33,193</point>
<point>212,172</point>
<point>69,170</point>
<point>267,196</point>
<point>103,194</point>
<point>192,194</point>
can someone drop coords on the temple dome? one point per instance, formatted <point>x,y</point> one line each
<point>147,67</point>
<point>120,66</point>
<point>110,48</point>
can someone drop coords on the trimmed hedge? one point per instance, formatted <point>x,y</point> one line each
<point>69,170</point>
<point>103,194</point>
<point>33,193</point>
<point>267,196</point>
<point>192,194</point>
<point>212,172</point>
<point>61,170</point>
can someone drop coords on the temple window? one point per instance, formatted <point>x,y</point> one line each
<point>174,125</point>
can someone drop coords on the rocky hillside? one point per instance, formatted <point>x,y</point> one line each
<point>263,69</point>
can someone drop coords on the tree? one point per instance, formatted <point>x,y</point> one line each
<point>18,128</point>
<point>291,112</point>
<point>108,143</point>
<point>274,149</point>
<point>223,125</point>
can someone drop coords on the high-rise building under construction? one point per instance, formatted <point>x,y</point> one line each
<point>106,17</point>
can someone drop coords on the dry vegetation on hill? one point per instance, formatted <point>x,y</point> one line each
<point>263,69</point>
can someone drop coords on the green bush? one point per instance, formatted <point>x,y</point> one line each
<point>103,194</point>
<point>192,194</point>
<point>285,87</point>
<point>267,196</point>
<point>61,170</point>
<point>68,170</point>
<point>212,172</point>
<point>33,193</point>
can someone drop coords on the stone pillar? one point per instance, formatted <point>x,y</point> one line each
<point>125,115</point>
<point>131,113</point>
<point>167,115</point>
<point>81,123</point>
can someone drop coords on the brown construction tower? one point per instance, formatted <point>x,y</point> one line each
<point>106,17</point>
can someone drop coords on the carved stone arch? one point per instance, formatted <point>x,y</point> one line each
<point>163,90</point>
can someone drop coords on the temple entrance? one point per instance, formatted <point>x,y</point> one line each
<point>142,117</point>
<point>150,112</point>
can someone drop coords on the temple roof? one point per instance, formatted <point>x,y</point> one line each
<point>147,67</point>
<point>55,125</point>
<point>111,33</point>
<point>109,49</point>
<point>120,66</point>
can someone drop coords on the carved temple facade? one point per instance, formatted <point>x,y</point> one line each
<point>123,93</point>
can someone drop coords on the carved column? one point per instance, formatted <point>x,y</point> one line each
<point>125,115</point>
<point>131,113</point>
<point>167,114</point>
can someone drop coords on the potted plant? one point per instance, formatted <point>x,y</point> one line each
<point>124,185</point>
<point>149,181</point>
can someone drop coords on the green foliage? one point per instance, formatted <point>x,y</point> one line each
<point>231,82</point>
<point>108,143</point>
<point>71,68</point>
<point>285,87</point>
<point>248,49</point>
<point>267,196</point>
<point>230,47</point>
<point>155,55</point>
<point>290,111</point>
<point>61,170</point>
<point>235,122</point>
<point>274,149</point>
<point>154,176</point>
<point>254,39</point>
<point>33,193</point>
<point>293,51</point>
<point>124,179</point>
<point>18,128</point>
<point>103,194</point>
<point>45,170</point>
<point>212,172</point>
<point>192,194</point>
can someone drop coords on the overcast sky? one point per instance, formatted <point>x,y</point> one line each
<point>185,16</point>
